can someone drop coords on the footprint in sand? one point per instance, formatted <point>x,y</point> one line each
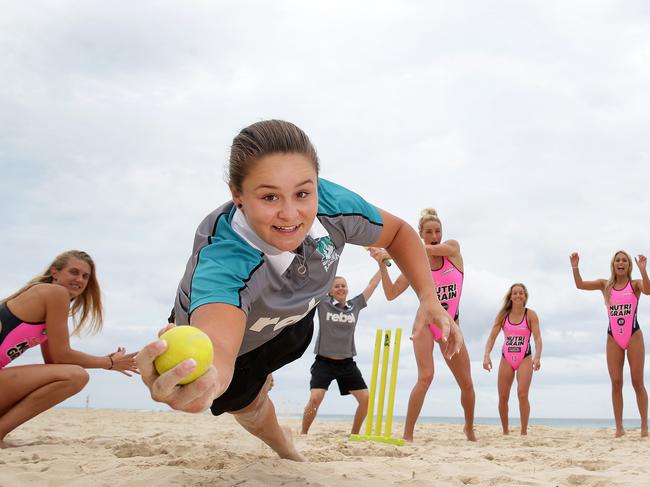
<point>578,479</point>
<point>137,450</point>
<point>593,466</point>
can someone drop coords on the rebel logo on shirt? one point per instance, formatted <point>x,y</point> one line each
<point>340,317</point>
<point>278,323</point>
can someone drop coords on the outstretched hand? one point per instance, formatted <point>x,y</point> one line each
<point>124,362</point>
<point>641,262</point>
<point>430,311</point>
<point>194,397</point>
<point>575,259</point>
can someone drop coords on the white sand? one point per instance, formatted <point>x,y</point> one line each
<point>80,448</point>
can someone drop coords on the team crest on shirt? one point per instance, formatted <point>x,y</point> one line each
<point>327,249</point>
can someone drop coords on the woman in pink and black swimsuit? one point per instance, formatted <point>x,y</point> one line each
<point>446,264</point>
<point>621,295</point>
<point>38,314</point>
<point>517,323</point>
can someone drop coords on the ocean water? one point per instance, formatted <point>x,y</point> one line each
<point>593,423</point>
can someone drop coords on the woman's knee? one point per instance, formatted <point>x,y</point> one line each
<point>250,414</point>
<point>637,384</point>
<point>425,378</point>
<point>466,385</point>
<point>617,384</point>
<point>504,395</point>
<point>77,377</point>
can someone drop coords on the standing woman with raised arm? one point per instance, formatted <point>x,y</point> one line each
<point>335,351</point>
<point>621,295</point>
<point>38,314</point>
<point>446,267</point>
<point>518,323</point>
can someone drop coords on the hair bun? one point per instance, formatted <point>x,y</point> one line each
<point>429,212</point>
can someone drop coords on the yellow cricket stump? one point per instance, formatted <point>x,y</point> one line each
<point>386,437</point>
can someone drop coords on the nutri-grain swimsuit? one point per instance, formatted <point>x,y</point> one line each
<point>449,285</point>
<point>622,315</point>
<point>17,335</point>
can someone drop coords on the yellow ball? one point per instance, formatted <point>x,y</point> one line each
<point>185,342</point>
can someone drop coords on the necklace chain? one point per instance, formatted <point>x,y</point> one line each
<point>302,259</point>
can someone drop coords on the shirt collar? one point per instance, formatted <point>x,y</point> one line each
<point>335,302</point>
<point>280,260</point>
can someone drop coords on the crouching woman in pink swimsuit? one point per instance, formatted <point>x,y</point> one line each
<point>38,314</point>
<point>517,323</point>
<point>621,295</point>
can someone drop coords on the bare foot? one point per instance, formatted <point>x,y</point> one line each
<point>619,432</point>
<point>506,432</point>
<point>524,433</point>
<point>644,431</point>
<point>469,433</point>
<point>408,438</point>
<point>291,453</point>
<point>3,444</point>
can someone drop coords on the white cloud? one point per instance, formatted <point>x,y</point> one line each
<point>525,124</point>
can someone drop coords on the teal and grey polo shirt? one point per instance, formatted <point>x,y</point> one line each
<point>231,264</point>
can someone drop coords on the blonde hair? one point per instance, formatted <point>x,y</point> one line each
<point>428,215</point>
<point>86,309</point>
<point>507,302</point>
<point>612,276</point>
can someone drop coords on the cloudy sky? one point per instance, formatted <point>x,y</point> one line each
<point>525,124</point>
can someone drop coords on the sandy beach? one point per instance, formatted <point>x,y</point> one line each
<point>102,447</point>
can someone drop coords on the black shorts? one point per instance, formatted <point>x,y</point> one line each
<point>347,375</point>
<point>252,368</point>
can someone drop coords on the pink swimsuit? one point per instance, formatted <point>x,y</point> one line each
<point>16,335</point>
<point>516,343</point>
<point>449,284</point>
<point>622,315</point>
